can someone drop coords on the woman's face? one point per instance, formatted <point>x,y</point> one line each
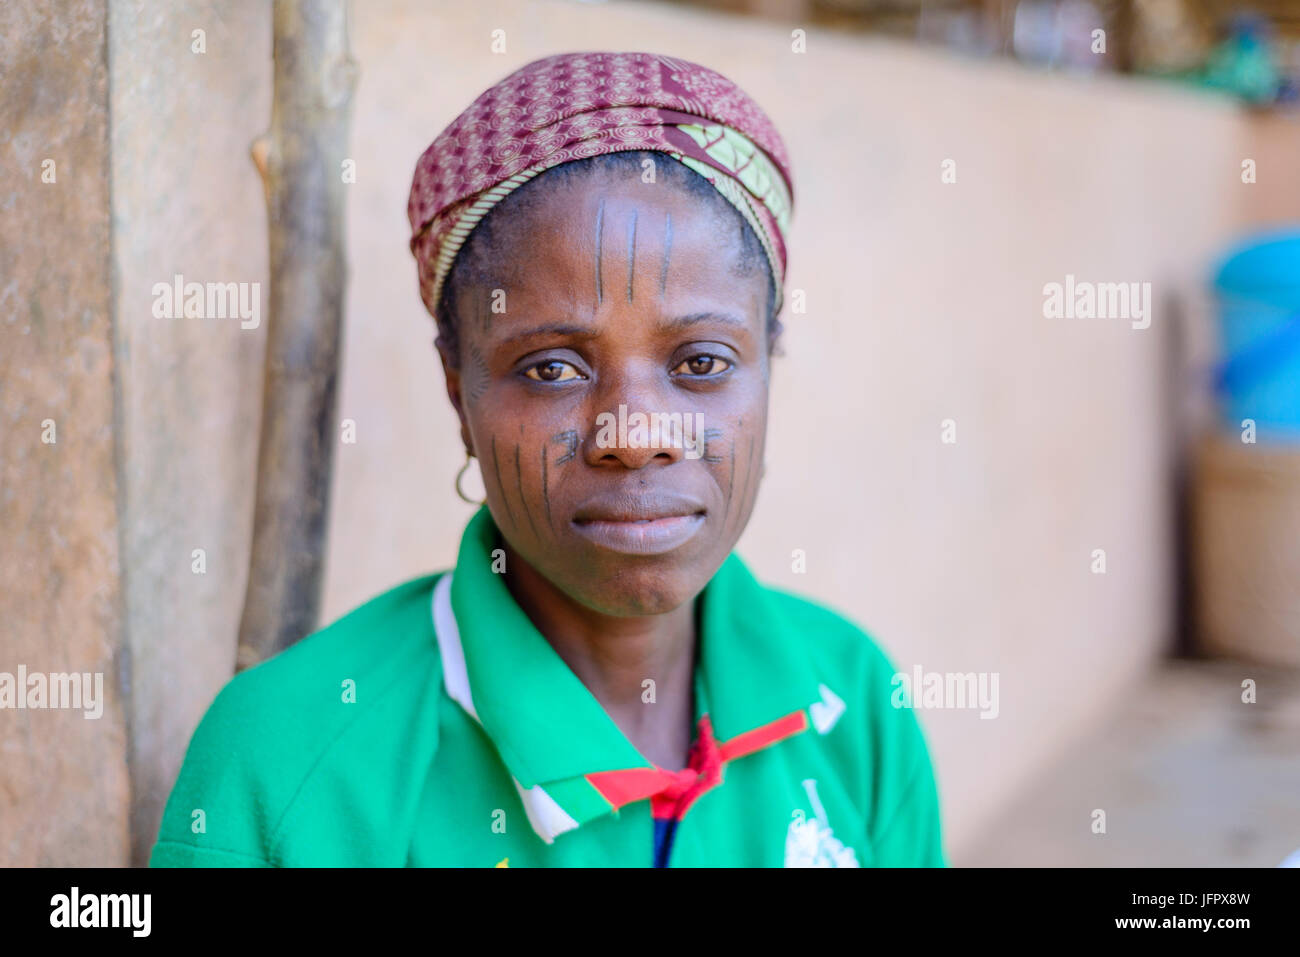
<point>608,299</point>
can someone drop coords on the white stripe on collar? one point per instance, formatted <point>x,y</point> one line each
<point>547,818</point>
<point>454,672</point>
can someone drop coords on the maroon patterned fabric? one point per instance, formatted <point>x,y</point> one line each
<point>575,105</point>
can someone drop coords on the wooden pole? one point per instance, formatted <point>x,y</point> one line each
<point>301,164</point>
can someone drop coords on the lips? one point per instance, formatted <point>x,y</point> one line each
<point>647,508</point>
<point>650,524</point>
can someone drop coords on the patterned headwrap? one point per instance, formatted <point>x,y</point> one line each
<point>575,105</point>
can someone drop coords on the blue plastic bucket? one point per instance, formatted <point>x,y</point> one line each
<point>1258,290</point>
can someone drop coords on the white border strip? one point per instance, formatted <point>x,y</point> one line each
<point>547,818</point>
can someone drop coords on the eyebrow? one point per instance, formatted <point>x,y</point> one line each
<point>724,318</point>
<point>552,329</point>
<point>586,332</point>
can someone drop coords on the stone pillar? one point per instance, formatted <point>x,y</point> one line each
<point>64,789</point>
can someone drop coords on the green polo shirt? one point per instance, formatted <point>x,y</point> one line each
<point>435,726</point>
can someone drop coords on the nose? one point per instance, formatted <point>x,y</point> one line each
<point>633,426</point>
<point>631,456</point>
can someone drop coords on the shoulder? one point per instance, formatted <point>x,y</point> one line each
<point>368,647</point>
<point>837,644</point>
<point>879,733</point>
<point>850,660</point>
<point>298,715</point>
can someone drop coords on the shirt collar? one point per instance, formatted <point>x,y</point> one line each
<point>753,678</point>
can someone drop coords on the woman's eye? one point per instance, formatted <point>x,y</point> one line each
<point>552,370</point>
<point>703,365</point>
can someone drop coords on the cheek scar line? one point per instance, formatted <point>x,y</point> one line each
<point>731,476</point>
<point>479,370</point>
<point>546,492</point>
<point>744,495</point>
<point>496,466</point>
<point>570,438</point>
<point>750,475</point>
<point>709,435</point>
<point>519,482</point>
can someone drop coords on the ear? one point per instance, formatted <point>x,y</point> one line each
<point>451,372</point>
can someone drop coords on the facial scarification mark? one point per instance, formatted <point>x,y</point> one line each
<point>478,372</point>
<point>741,504</point>
<point>709,436</point>
<point>731,475</point>
<point>519,484</point>
<point>746,501</point>
<point>546,492</point>
<point>496,467</point>
<point>631,254</point>
<point>600,224</point>
<point>570,439</point>
<point>668,252</point>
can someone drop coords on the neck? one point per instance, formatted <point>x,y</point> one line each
<point>614,656</point>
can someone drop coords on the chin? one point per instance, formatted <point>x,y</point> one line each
<point>626,587</point>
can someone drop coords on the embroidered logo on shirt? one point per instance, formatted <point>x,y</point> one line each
<point>827,711</point>
<point>811,842</point>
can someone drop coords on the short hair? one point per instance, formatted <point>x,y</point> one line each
<point>472,261</point>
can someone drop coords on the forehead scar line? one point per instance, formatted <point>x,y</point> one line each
<point>631,254</point>
<point>668,252</point>
<point>600,228</point>
<point>519,483</point>
<point>496,466</point>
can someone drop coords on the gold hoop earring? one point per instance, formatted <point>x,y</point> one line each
<point>460,475</point>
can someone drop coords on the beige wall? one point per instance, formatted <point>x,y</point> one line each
<point>186,199</point>
<point>924,303</point>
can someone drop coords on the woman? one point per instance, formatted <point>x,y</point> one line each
<point>599,681</point>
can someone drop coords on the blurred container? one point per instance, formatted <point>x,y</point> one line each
<point>1258,291</point>
<point>1246,535</point>
<point>1169,36</point>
